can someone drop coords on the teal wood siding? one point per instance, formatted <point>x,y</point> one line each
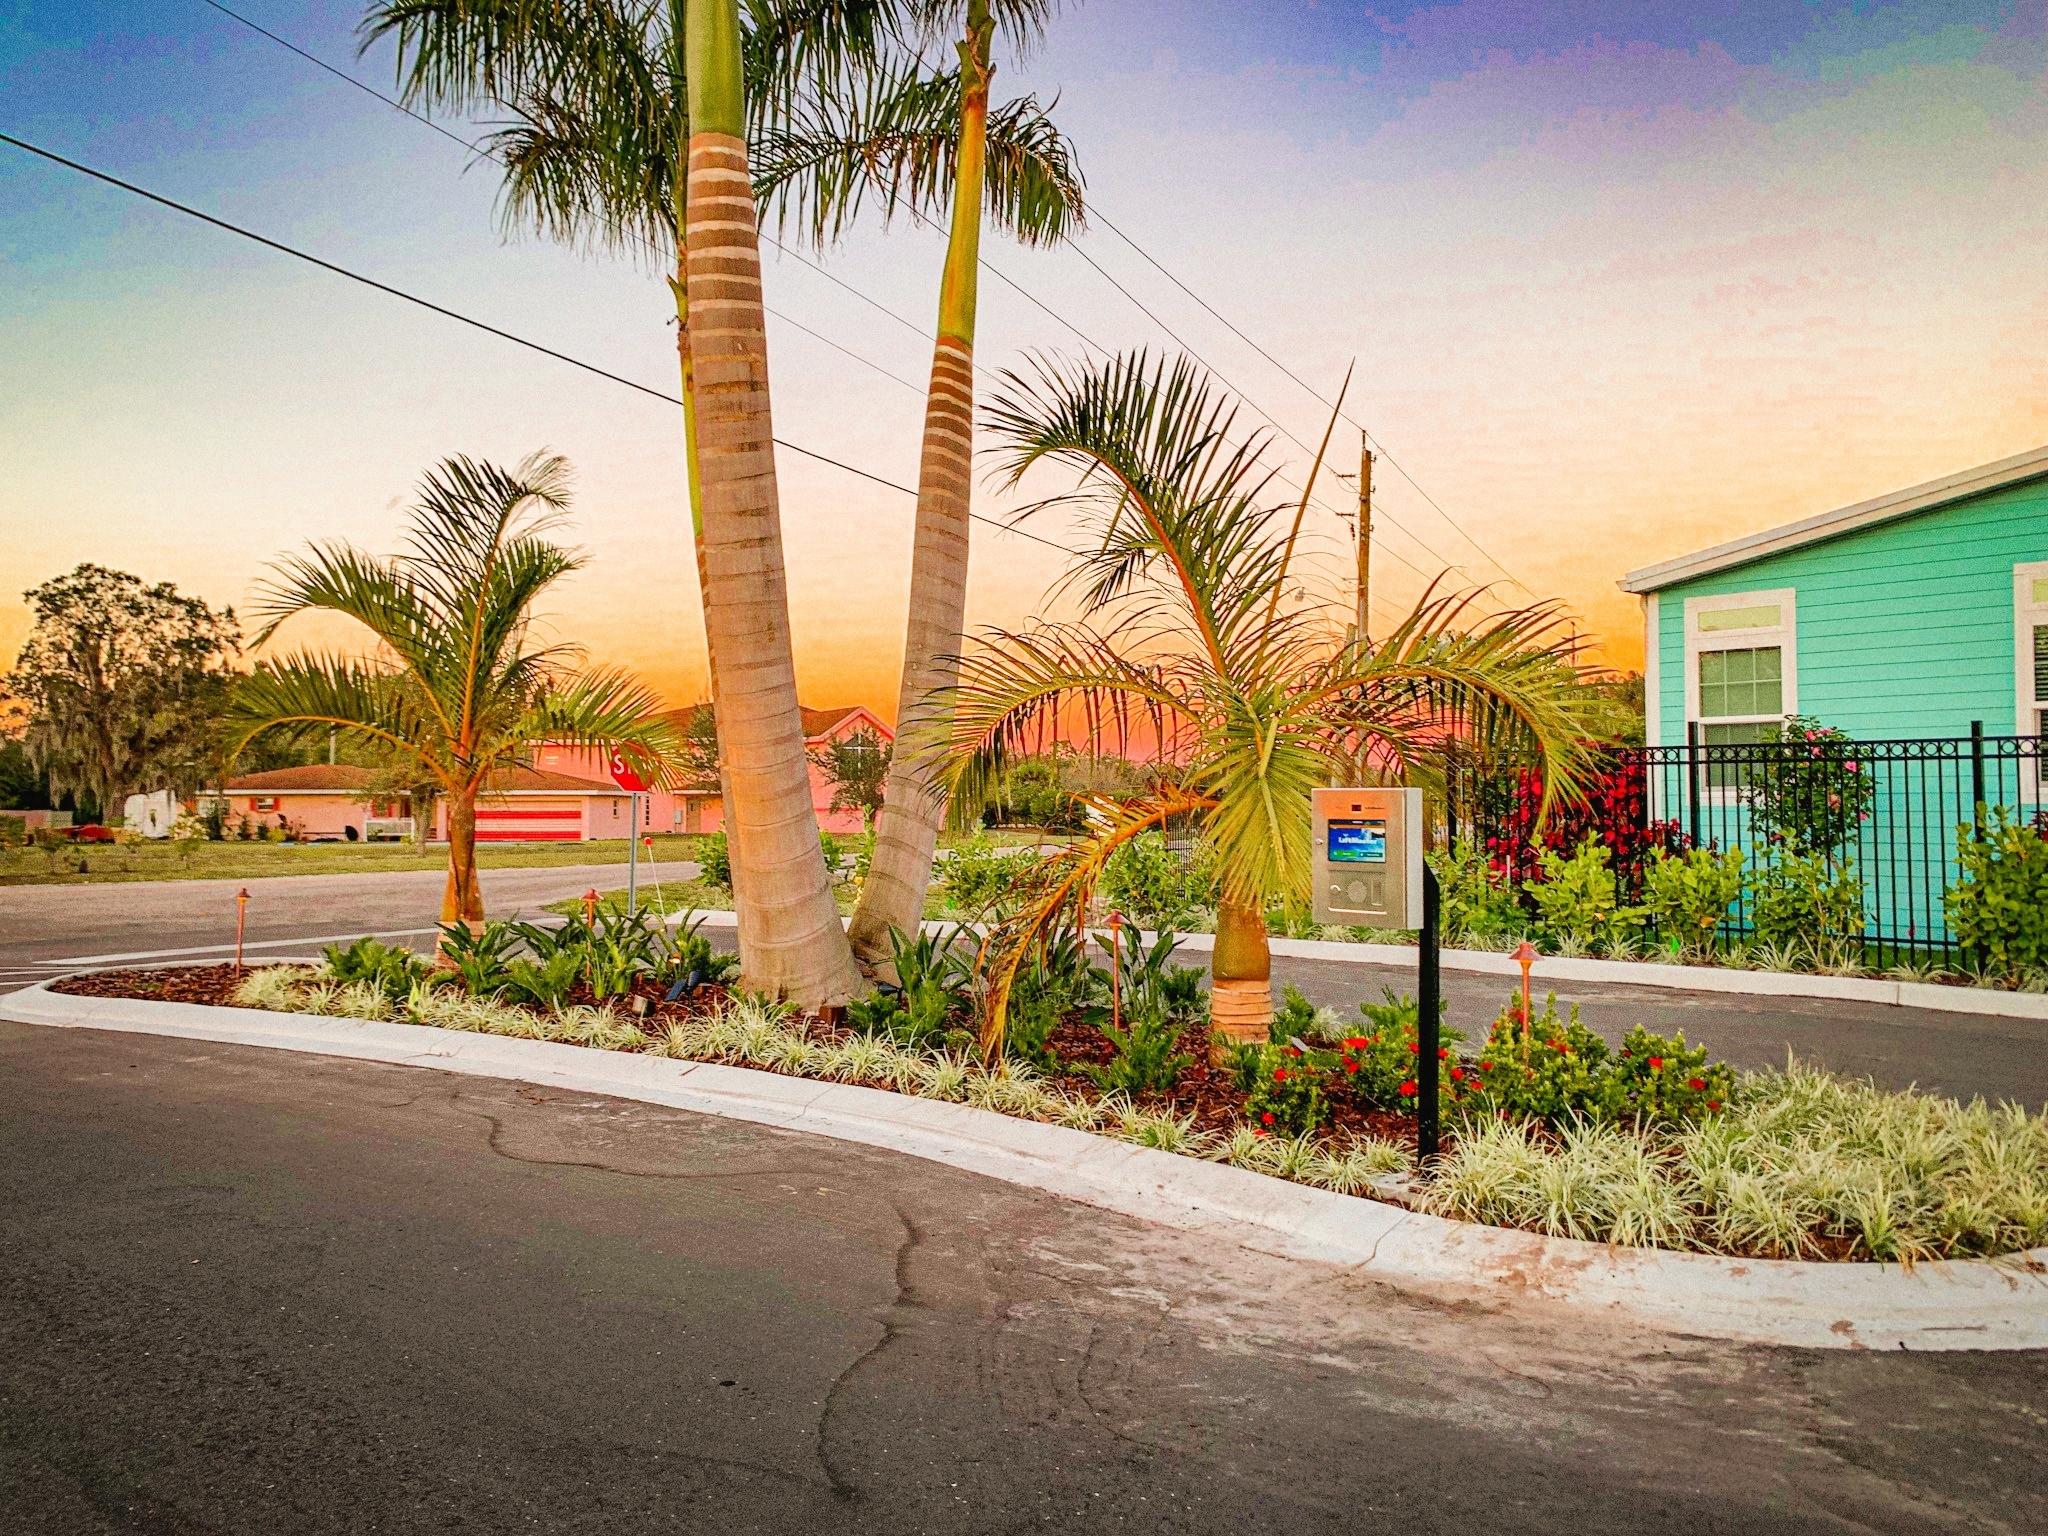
<point>1903,630</point>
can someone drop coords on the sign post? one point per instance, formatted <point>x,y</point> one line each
<point>624,776</point>
<point>1370,873</point>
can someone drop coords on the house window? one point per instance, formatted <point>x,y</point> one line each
<point>263,803</point>
<point>1740,671</point>
<point>2030,637</point>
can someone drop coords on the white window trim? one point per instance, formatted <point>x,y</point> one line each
<point>2026,709</point>
<point>1783,634</point>
<point>1653,668</point>
<point>2026,614</point>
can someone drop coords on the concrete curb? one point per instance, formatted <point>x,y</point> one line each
<point>1969,1304</point>
<point>1639,973</point>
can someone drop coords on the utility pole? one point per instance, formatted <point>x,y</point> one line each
<point>1364,532</point>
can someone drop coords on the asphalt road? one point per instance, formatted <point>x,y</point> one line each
<point>48,929</point>
<point>248,1291</point>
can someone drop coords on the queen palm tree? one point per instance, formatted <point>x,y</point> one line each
<point>1187,643</point>
<point>832,107</point>
<point>457,692</point>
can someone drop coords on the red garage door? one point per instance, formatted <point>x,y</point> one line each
<point>531,821</point>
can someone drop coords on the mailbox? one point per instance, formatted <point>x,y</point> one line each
<point>1368,857</point>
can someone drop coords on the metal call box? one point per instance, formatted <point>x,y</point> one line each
<point>1368,857</point>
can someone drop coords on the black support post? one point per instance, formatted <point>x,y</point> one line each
<point>1977,776</point>
<point>1427,989</point>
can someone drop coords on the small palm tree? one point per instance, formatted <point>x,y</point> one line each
<point>1186,646</point>
<point>456,692</point>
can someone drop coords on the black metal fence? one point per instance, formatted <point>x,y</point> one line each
<point>1884,816</point>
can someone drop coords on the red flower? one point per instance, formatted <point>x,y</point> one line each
<point>1414,1049</point>
<point>1457,1074</point>
<point>1696,1084</point>
<point>1356,1043</point>
<point>1656,1063</point>
<point>1443,1053</point>
<point>1266,1118</point>
<point>1408,1090</point>
<point>1279,1074</point>
<point>1713,1103</point>
<point>1486,1066</point>
<point>1350,1066</point>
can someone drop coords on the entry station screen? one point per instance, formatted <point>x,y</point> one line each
<point>1358,842</point>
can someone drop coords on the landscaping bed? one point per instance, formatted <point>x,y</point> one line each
<point>1674,1153</point>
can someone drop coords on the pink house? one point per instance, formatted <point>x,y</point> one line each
<point>697,807</point>
<point>523,805</point>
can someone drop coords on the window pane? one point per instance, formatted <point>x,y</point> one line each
<point>1745,682</point>
<point>1730,770</point>
<point>1766,617</point>
<point>2041,662</point>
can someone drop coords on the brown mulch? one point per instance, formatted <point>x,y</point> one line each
<point>185,984</point>
<point>1210,1093</point>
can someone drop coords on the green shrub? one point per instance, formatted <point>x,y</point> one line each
<point>714,858</point>
<point>1999,909</point>
<point>1666,1081</point>
<point>1803,899</point>
<point>931,1004</point>
<point>13,831</point>
<point>1576,897</point>
<point>483,959</point>
<point>1689,894</point>
<point>978,877</point>
<point>392,970</point>
<point>544,983</point>
<point>1379,1062</point>
<point>1476,902</point>
<point>1146,880</point>
<point>690,954</point>
<point>1145,1059</point>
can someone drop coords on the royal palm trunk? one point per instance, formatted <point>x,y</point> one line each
<point>791,942</point>
<point>907,833</point>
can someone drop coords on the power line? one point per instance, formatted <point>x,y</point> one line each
<point>1248,400</point>
<point>456,315</point>
<point>488,153</point>
<point>1314,393</point>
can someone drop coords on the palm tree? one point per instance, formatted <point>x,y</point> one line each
<point>1186,645</point>
<point>457,692</point>
<point>1017,164</point>
<point>596,154</point>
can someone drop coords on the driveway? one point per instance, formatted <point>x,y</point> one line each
<point>246,1291</point>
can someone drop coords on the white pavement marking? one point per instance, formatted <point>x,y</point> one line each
<point>214,949</point>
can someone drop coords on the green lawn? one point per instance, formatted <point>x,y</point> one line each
<point>255,861</point>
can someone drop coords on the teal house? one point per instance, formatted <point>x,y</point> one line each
<point>1903,618</point>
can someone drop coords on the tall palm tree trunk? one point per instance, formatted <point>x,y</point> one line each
<point>791,942</point>
<point>907,834</point>
<point>1241,974</point>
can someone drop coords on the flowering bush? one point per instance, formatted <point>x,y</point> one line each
<point>1999,910</point>
<point>1379,1062</point>
<point>1812,799</point>
<point>1558,1071</point>
<point>1286,1097</point>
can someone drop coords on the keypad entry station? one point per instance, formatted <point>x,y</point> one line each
<point>1368,857</point>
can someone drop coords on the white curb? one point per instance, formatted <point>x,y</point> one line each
<point>1969,1304</point>
<point>1630,973</point>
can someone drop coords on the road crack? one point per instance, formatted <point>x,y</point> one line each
<point>905,1300</point>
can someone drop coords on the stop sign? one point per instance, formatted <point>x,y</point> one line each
<point>625,777</point>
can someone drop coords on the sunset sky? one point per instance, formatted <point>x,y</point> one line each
<point>1620,281</point>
